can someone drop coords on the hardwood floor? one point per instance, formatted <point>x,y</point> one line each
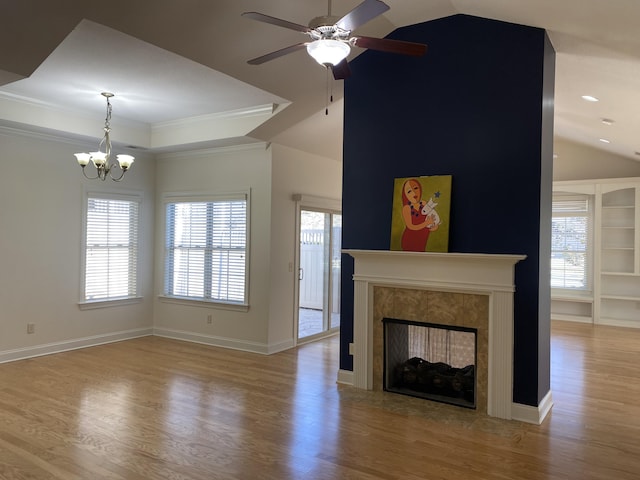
<point>154,408</point>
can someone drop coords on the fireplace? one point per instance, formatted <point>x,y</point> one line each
<point>452,310</point>
<point>435,362</point>
<point>473,291</point>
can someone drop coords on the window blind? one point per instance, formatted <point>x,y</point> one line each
<point>206,250</point>
<point>111,248</point>
<point>571,242</point>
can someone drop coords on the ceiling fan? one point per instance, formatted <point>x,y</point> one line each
<point>331,39</point>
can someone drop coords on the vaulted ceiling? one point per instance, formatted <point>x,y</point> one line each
<point>180,78</point>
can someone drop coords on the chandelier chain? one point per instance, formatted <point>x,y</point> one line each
<point>107,120</point>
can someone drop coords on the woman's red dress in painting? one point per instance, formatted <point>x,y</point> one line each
<point>415,240</point>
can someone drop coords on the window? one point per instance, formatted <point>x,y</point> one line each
<point>571,239</point>
<point>206,249</point>
<point>111,247</point>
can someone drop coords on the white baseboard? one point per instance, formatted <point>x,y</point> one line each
<point>613,322</point>
<point>529,414</point>
<point>254,347</point>
<point>280,346</point>
<point>571,318</point>
<point>58,347</point>
<point>345,377</point>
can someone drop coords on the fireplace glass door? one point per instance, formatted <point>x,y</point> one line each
<point>436,362</point>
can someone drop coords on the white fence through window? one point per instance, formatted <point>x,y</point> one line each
<point>313,270</point>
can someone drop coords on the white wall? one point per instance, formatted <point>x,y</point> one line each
<point>274,174</point>
<point>222,170</point>
<point>294,172</point>
<point>41,196</point>
<point>580,162</point>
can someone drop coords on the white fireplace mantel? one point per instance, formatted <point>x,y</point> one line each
<point>488,274</point>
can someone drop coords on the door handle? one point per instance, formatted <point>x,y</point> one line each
<point>300,273</point>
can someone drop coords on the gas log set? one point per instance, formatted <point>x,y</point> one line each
<point>435,380</point>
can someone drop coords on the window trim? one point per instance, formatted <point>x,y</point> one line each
<point>193,197</point>
<point>116,302</point>
<point>129,196</point>
<point>238,307</point>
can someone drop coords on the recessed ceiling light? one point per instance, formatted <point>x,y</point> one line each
<point>589,98</point>
<point>604,140</point>
<point>608,121</point>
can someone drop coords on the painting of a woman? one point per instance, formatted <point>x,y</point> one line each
<point>420,213</point>
<point>419,219</point>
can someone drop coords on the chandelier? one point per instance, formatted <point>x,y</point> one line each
<point>102,159</point>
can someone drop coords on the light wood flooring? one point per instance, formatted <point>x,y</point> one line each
<point>154,408</point>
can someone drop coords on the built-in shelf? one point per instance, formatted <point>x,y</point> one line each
<point>571,318</point>
<point>615,299</point>
<point>573,308</point>
<point>572,298</point>
<point>620,297</point>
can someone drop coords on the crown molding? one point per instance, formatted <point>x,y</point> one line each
<point>212,151</point>
<point>260,110</point>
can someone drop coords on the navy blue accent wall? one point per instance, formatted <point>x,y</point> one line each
<point>471,108</point>
<point>546,193</point>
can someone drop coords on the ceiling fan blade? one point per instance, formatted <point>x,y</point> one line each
<point>276,54</point>
<point>366,11</point>
<point>392,46</point>
<point>341,70</point>
<point>260,17</point>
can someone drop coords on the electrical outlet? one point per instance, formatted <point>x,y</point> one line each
<point>31,328</point>
<point>209,319</point>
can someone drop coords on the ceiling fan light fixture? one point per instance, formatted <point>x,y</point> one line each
<point>328,52</point>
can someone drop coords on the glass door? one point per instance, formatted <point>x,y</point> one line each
<point>319,273</point>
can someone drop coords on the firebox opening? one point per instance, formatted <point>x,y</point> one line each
<point>436,362</point>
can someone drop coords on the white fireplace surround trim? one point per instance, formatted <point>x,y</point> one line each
<point>488,274</point>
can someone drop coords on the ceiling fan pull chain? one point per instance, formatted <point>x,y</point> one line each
<point>329,90</point>
<point>329,94</point>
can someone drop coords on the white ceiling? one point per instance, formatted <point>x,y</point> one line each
<point>180,78</point>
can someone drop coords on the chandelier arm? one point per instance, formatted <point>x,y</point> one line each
<point>121,175</point>
<point>87,176</point>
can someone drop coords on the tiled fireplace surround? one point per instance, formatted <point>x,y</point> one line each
<point>443,308</point>
<point>470,290</point>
